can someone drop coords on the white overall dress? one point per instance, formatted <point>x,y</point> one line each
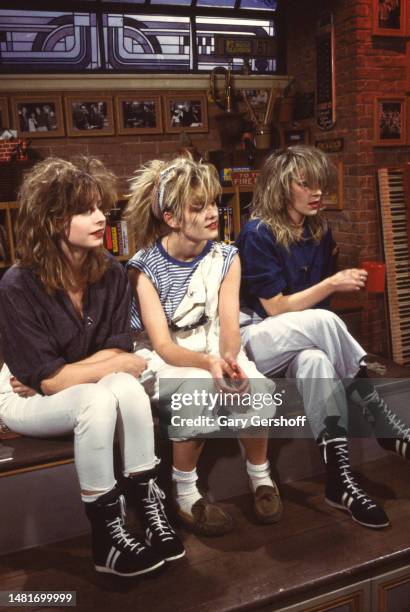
<point>200,299</point>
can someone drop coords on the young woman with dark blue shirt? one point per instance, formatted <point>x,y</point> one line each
<point>287,254</point>
<point>69,367</point>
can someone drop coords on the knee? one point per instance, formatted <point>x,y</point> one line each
<point>197,378</point>
<point>97,404</point>
<point>127,390</point>
<point>329,318</point>
<point>123,383</point>
<point>314,364</point>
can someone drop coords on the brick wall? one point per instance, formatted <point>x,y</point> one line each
<point>365,67</point>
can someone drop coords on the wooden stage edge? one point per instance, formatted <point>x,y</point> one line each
<point>314,548</point>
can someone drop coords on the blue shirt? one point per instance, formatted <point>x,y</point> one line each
<point>268,268</point>
<point>41,333</point>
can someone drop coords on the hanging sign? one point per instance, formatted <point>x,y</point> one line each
<point>244,178</point>
<point>335,145</point>
<point>227,45</point>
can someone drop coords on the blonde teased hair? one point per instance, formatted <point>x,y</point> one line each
<point>174,184</point>
<point>273,192</point>
<point>51,194</point>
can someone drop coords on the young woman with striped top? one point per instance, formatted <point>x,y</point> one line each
<point>187,303</point>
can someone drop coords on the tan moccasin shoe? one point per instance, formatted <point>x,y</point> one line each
<point>267,504</point>
<point>206,519</point>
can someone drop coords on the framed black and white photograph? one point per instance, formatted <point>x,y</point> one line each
<point>187,112</point>
<point>38,116</point>
<point>389,17</point>
<point>390,121</point>
<point>257,98</point>
<point>138,113</point>
<point>90,115</point>
<point>259,104</point>
<point>4,115</point>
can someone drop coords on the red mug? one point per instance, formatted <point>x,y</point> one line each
<point>376,275</point>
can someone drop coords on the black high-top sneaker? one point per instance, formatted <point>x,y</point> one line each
<point>149,504</point>
<point>342,491</point>
<point>115,551</point>
<point>391,432</point>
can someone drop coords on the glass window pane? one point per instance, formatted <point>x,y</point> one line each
<point>262,5</point>
<point>216,3</point>
<point>173,2</point>
<point>59,41</point>
<point>147,43</point>
<point>207,27</point>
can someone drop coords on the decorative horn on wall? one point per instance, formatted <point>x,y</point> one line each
<point>224,101</point>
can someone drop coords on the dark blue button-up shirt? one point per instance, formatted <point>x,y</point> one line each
<point>268,268</point>
<point>40,333</point>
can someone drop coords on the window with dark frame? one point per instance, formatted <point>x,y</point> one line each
<point>137,36</point>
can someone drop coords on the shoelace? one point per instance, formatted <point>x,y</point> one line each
<point>341,451</point>
<point>396,423</point>
<point>365,402</point>
<point>399,428</point>
<point>155,511</point>
<point>122,537</point>
<point>351,484</point>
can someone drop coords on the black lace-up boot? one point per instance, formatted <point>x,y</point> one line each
<point>149,499</point>
<point>342,491</point>
<point>115,551</point>
<point>391,432</point>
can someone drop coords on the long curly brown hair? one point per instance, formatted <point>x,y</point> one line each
<point>273,191</point>
<point>52,193</point>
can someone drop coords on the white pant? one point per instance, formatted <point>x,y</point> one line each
<point>309,346</point>
<point>171,381</point>
<point>92,412</point>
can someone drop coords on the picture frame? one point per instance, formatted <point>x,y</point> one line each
<point>138,113</point>
<point>89,115</point>
<point>390,121</point>
<point>334,200</point>
<point>389,17</point>
<point>294,136</point>
<point>38,116</point>
<point>258,98</point>
<point>4,115</point>
<point>259,104</point>
<point>186,112</point>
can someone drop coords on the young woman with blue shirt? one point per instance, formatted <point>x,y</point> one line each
<point>69,367</point>
<point>287,255</point>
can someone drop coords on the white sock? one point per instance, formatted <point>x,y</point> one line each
<point>259,475</point>
<point>186,492</point>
